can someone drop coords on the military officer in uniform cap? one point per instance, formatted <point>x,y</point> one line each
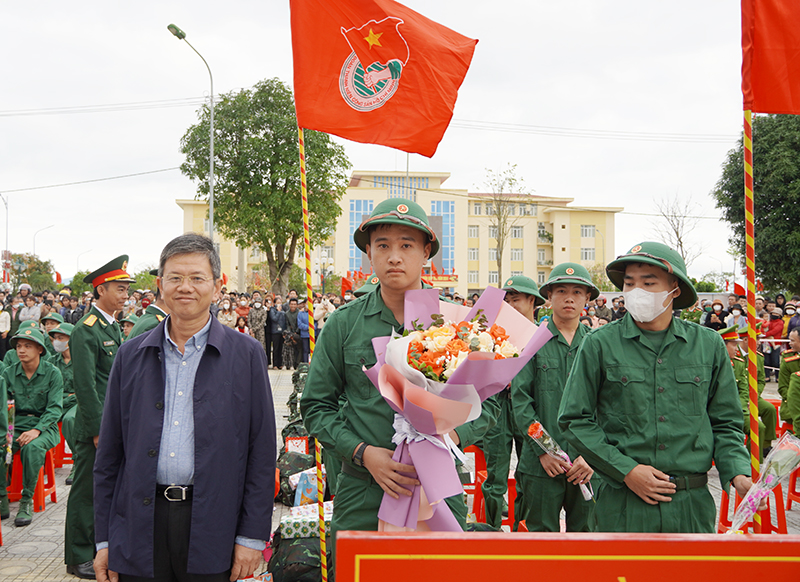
<point>536,393</point>
<point>93,344</point>
<point>523,295</point>
<point>651,400</point>
<point>398,241</point>
<point>153,314</point>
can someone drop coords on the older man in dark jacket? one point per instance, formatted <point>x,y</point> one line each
<point>185,470</point>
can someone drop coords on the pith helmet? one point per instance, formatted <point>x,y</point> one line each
<point>54,316</point>
<point>371,284</point>
<point>523,284</point>
<point>659,255</point>
<point>570,274</point>
<point>396,211</point>
<point>30,324</point>
<point>65,328</point>
<point>33,335</point>
<point>131,318</point>
<point>114,270</point>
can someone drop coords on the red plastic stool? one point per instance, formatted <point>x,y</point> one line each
<point>724,522</point>
<point>480,509</point>
<point>792,493</point>
<point>46,485</point>
<point>62,457</point>
<point>477,494</point>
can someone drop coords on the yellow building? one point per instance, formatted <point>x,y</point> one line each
<point>545,231</point>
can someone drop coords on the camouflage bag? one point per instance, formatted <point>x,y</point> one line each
<point>295,559</point>
<point>298,383</point>
<point>295,428</point>
<point>289,464</point>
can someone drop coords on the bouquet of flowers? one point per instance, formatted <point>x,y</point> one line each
<point>9,436</point>
<point>780,462</point>
<point>548,444</point>
<point>435,377</point>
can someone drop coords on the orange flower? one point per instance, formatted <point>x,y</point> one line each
<point>535,430</point>
<point>456,345</point>
<point>498,333</point>
<point>434,360</point>
<point>415,349</point>
<point>499,356</point>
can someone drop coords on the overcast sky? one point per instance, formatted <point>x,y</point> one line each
<point>92,90</point>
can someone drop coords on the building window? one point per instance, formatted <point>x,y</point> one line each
<point>472,277</point>
<point>493,254</point>
<point>358,208</point>
<point>493,278</point>
<point>399,188</point>
<point>587,231</point>
<point>587,254</point>
<point>540,256</point>
<point>516,273</point>
<point>533,209</point>
<point>541,278</point>
<point>516,231</point>
<point>477,209</point>
<point>492,232</point>
<point>516,254</point>
<point>489,209</point>
<point>327,252</point>
<point>447,210</point>
<point>472,254</point>
<point>512,209</point>
<point>472,231</point>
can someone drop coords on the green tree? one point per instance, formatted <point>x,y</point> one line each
<point>599,277</point>
<point>30,269</point>
<point>257,197</point>
<point>144,280</point>
<point>776,187</point>
<point>77,284</point>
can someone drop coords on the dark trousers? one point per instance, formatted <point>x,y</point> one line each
<point>173,520</point>
<point>277,350</point>
<point>306,348</point>
<point>772,360</point>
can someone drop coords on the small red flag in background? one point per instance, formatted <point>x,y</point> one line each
<point>58,278</point>
<point>347,285</point>
<point>771,56</point>
<point>375,71</point>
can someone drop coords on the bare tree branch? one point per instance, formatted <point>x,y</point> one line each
<point>505,190</point>
<point>676,224</point>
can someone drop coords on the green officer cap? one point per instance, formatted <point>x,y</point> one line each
<point>115,270</point>
<point>396,211</point>
<point>54,316</point>
<point>33,335</point>
<point>659,255</point>
<point>65,328</point>
<point>371,284</point>
<point>131,318</point>
<point>570,274</point>
<point>523,284</point>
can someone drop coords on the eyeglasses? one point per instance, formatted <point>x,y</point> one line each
<point>178,280</point>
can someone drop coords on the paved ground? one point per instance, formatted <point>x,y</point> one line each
<point>35,553</point>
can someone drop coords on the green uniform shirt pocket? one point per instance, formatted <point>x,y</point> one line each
<point>547,374</point>
<point>692,385</point>
<point>354,376</point>
<point>627,390</point>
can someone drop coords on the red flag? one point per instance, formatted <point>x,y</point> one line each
<point>347,285</point>
<point>738,289</point>
<point>771,56</point>
<point>58,278</point>
<point>375,71</point>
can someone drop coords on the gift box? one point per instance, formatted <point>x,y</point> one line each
<point>307,489</point>
<point>312,510</point>
<point>302,527</point>
<point>312,472</point>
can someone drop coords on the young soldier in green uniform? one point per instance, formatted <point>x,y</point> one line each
<point>651,400</point>
<point>398,241</point>
<point>792,406</point>
<point>127,324</point>
<point>523,295</point>
<point>48,322</point>
<point>11,356</point>
<point>790,365</point>
<point>93,344</point>
<point>536,392</point>
<point>35,387</point>
<point>152,316</point>
<point>63,361</point>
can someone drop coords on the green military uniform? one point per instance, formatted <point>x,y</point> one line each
<point>151,317</point>
<point>336,375</point>
<point>368,287</point>
<point>93,345</point>
<point>791,410</point>
<point>37,403</point>
<point>48,344</point>
<point>666,399</point>
<point>130,318</point>
<point>69,401</point>
<point>692,314</point>
<point>504,435</point>
<point>536,396</point>
<point>790,364</point>
<point>11,356</point>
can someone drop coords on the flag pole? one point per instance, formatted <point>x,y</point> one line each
<point>751,302</point>
<point>323,555</point>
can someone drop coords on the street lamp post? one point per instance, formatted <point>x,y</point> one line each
<point>34,237</point>
<point>179,34</point>
<point>78,260</point>
<point>6,258</point>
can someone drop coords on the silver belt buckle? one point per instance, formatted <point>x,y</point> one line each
<point>180,488</point>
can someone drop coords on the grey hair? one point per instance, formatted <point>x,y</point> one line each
<point>191,243</point>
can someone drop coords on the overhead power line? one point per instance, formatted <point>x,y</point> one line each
<point>90,181</point>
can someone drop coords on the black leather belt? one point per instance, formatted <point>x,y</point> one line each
<point>349,469</point>
<point>689,481</point>
<point>175,492</point>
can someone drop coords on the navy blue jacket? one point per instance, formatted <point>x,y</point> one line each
<point>235,451</point>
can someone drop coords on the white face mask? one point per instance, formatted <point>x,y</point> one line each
<point>737,312</point>
<point>60,346</point>
<point>257,304</point>
<point>226,305</point>
<point>242,303</point>
<point>645,306</point>
<point>718,308</point>
<point>790,312</point>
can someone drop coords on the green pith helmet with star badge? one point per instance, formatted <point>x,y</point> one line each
<point>131,318</point>
<point>523,284</point>
<point>54,316</point>
<point>114,271</point>
<point>658,255</point>
<point>30,324</point>
<point>371,284</point>
<point>65,328</point>
<point>397,211</point>
<point>570,274</point>
<point>33,335</point>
